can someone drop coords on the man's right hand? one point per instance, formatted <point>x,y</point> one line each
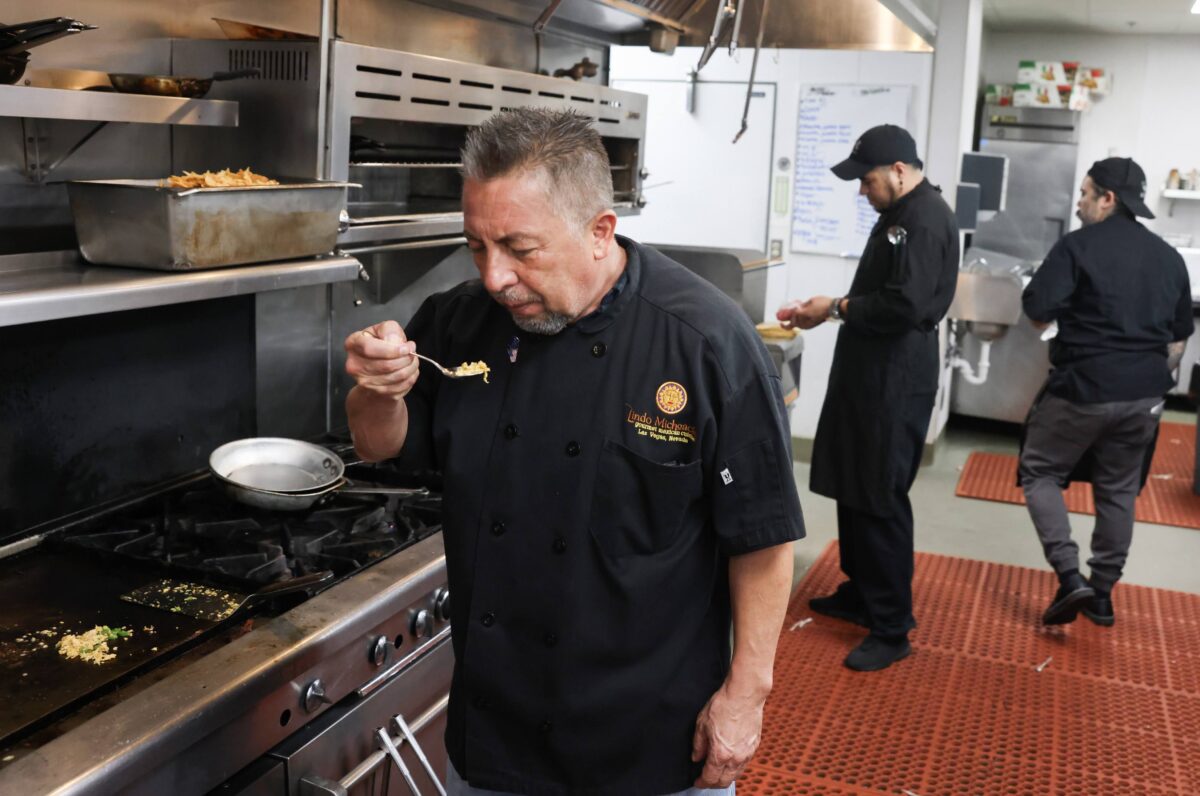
<point>380,359</point>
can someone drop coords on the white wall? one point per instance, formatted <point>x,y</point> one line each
<point>805,274</point>
<point>1152,114</point>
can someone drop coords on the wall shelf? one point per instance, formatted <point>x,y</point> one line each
<point>46,286</point>
<point>33,102</point>
<point>1173,195</point>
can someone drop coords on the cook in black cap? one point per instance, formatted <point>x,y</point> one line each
<point>1122,177</point>
<point>881,388</point>
<point>1121,298</point>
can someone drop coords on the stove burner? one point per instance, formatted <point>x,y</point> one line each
<point>201,529</point>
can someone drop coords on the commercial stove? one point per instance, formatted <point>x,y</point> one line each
<point>342,689</point>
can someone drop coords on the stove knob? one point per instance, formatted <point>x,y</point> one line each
<point>314,696</point>
<point>379,650</point>
<point>422,624</point>
<point>441,604</point>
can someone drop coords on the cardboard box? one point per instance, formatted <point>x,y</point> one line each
<point>998,94</point>
<point>1094,79</point>
<point>1041,95</point>
<point>1081,98</point>
<point>1043,72</point>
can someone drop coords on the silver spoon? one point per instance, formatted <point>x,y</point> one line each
<point>454,373</point>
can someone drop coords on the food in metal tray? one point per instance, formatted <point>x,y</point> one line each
<point>224,178</point>
<point>92,646</point>
<point>473,369</point>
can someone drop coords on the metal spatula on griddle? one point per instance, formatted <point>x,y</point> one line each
<point>201,601</point>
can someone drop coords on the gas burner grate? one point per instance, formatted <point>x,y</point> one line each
<point>200,529</point>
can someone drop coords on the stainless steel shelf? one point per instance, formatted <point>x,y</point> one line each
<point>104,106</point>
<point>49,285</point>
<point>1175,194</point>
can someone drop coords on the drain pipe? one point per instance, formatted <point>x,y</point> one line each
<point>969,373</point>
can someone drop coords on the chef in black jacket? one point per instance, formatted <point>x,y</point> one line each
<point>881,388</point>
<point>616,494</point>
<point>1121,298</point>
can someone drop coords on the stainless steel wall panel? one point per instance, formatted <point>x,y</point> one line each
<point>291,352</point>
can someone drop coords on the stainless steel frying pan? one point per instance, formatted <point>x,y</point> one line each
<point>282,474</point>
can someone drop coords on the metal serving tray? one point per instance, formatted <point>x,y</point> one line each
<point>143,224</point>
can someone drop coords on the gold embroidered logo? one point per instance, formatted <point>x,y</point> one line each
<point>671,397</point>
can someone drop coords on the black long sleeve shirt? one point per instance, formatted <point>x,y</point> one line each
<point>1120,294</point>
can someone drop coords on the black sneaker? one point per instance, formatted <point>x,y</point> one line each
<point>1069,598</point>
<point>876,652</point>
<point>839,606</point>
<point>1099,609</point>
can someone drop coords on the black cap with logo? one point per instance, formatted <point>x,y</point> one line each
<point>1125,178</point>
<point>879,146</point>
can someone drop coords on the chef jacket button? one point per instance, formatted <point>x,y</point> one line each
<point>498,528</point>
<point>572,448</point>
<point>481,702</point>
<point>598,350</point>
<point>488,619</point>
<point>511,431</point>
<point>545,727</point>
<point>560,545</point>
<point>550,639</point>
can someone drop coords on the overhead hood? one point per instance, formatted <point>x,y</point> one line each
<point>793,24</point>
<point>798,24</point>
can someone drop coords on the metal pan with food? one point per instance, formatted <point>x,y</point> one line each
<point>280,474</point>
<point>172,86</point>
<point>148,224</point>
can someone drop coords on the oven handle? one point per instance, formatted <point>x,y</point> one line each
<point>319,786</point>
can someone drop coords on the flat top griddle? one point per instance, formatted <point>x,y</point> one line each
<point>48,593</point>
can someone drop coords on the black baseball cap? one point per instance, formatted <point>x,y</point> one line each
<point>879,146</point>
<point>1125,178</point>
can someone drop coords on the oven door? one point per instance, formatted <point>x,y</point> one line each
<point>342,752</point>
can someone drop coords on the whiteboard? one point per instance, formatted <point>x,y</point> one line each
<point>828,215</point>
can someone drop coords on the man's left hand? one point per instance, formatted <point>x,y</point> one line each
<point>727,733</point>
<point>805,314</point>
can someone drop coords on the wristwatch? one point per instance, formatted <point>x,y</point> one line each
<point>835,310</point>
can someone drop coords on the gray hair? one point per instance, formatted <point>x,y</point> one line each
<point>560,145</point>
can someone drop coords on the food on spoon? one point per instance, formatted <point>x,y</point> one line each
<point>474,369</point>
<point>92,646</point>
<point>220,179</point>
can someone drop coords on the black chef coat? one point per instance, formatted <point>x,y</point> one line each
<point>1119,293</point>
<point>886,351</point>
<point>594,490</point>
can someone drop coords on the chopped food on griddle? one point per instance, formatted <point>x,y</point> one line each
<point>92,646</point>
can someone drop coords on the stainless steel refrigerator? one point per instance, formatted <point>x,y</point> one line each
<point>1041,146</point>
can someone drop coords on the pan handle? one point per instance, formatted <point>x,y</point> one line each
<point>279,588</point>
<point>237,73</point>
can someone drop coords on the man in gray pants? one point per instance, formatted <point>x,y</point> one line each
<point>1121,298</point>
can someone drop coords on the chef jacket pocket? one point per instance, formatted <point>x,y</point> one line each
<point>639,504</point>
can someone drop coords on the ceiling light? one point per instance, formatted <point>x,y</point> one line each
<point>1196,7</point>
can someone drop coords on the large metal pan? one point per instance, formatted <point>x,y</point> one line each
<point>280,474</point>
<point>244,31</point>
<point>168,86</point>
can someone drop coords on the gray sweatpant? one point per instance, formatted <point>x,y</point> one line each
<point>1057,435</point>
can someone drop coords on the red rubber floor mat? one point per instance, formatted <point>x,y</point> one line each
<point>1167,499</point>
<point>1112,711</point>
